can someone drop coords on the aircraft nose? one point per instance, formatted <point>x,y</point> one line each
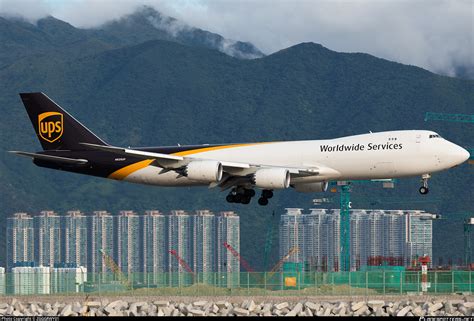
<point>460,154</point>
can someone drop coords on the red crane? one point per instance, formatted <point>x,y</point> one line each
<point>237,255</point>
<point>181,261</point>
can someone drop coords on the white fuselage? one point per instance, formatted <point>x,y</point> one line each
<point>380,155</point>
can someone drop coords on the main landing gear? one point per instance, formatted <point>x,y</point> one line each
<point>240,195</point>
<point>244,195</point>
<point>424,189</point>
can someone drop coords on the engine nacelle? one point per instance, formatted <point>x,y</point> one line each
<point>311,187</point>
<point>205,171</point>
<point>272,178</point>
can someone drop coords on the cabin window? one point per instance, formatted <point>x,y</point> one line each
<point>435,136</point>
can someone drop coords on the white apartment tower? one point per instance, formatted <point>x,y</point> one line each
<point>204,239</point>
<point>128,243</point>
<point>48,238</point>
<point>20,240</point>
<point>227,265</point>
<point>154,247</point>
<point>75,238</point>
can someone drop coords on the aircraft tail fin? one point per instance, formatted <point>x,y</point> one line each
<point>55,128</point>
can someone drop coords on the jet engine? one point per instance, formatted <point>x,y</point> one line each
<point>272,178</point>
<point>311,187</point>
<point>206,171</point>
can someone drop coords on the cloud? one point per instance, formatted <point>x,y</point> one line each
<point>170,25</point>
<point>30,10</point>
<point>433,34</point>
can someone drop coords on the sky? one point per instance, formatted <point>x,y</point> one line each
<point>434,34</point>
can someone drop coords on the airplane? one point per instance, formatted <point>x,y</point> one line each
<point>307,166</point>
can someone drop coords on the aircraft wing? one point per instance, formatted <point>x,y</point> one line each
<point>235,172</point>
<point>163,160</point>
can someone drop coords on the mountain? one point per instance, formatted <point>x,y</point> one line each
<point>148,24</point>
<point>19,38</point>
<point>161,92</point>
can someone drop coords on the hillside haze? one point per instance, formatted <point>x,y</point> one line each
<point>135,90</point>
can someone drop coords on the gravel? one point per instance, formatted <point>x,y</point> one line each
<point>271,306</point>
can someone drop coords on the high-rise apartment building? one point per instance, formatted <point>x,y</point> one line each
<point>204,239</point>
<point>180,242</point>
<point>101,237</point>
<point>154,247</point>
<point>152,243</point>
<point>292,234</point>
<point>394,236</point>
<point>419,234</point>
<point>227,265</point>
<point>20,239</point>
<point>47,238</point>
<point>75,238</point>
<point>378,237</point>
<point>129,243</point>
<point>321,239</point>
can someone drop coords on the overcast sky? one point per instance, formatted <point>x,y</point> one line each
<point>433,34</point>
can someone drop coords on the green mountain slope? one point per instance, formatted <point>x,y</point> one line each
<point>164,93</point>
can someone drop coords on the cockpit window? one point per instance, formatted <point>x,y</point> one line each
<point>435,136</point>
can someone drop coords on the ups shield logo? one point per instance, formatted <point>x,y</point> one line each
<point>50,126</point>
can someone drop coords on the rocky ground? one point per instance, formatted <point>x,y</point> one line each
<point>237,306</point>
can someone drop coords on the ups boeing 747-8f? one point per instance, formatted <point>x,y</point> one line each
<point>306,166</point>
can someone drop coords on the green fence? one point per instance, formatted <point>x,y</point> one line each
<point>282,283</point>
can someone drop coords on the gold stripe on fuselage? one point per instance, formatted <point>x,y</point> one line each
<point>209,149</point>
<point>129,169</point>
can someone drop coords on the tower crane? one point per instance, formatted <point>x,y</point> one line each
<point>237,255</point>
<point>181,262</point>
<point>345,223</point>
<point>282,260</point>
<point>110,263</point>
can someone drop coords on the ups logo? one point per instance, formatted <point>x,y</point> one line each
<point>50,126</point>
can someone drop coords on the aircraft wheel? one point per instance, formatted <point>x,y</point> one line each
<point>263,201</point>
<point>238,198</point>
<point>246,200</point>
<point>423,190</point>
<point>266,193</point>
<point>250,193</point>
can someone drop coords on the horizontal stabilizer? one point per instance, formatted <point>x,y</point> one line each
<point>65,160</point>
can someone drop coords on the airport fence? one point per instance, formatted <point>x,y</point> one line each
<point>217,284</point>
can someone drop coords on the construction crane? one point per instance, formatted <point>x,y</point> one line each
<point>181,262</point>
<point>237,255</point>
<point>345,222</point>
<point>110,263</point>
<point>282,260</point>
<point>449,117</point>
<point>463,118</point>
<point>468,223</point>
<point>346,204</point>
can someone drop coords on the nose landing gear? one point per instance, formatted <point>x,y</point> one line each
<point>424,189</point>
